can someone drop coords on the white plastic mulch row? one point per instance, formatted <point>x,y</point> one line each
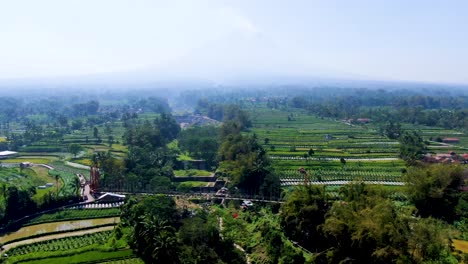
<point>97,205</point>
<point>328,159</point>
<point>300,182</point>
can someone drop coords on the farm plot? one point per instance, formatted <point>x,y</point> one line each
<point>347,175</point>
<point>90,254</point>
<point>60,166</point>
<point>73,214</point>
<point>125,261</point>
<point>295,139</point>
<point>55,227</point>
<point>69,182</point>
<point>26,179</point>
<point>89,246</point>
<point>61,244</point>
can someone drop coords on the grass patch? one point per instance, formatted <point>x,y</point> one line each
<point>184,156</point>
<point>189,184</point>
<point>83,161</point>
<point>26,159</point>
<point>192,172</point>
<point>75,214</point>
<point>119,147</point>
<point>93,256</point>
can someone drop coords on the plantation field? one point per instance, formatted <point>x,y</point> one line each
<point>87,246</point>
<point>90,256</point>
<point>69,182</point>
<point>190,184</point>
<point>125,261</point>
<point>33,159</point>
<point>83,161</point>
<point>192,172</point>
<point>63,167</point>
<point>289,136</point>
<point>27,178</point>
<point>61,244</point>
<point>63,226</point>
<point>331,150</point>
<point>74,214</point>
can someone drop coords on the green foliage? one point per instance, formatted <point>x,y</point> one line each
<point>74,149</point>
<point>69,181</point>
<point>201,143</point>
<point>369,228</point>
<point>302,213</point>
<point>148,156</point>
<point>152,220</point>
<point>434,191</point>
<point>48,148</point>
<point>61,244</point>
<point>88,254</point>
<point>392,130</point>
<point>411,147</point>
<point>246,164</point>
<point>153,104</point>
<point>18,203</point>
<point>201,242</point>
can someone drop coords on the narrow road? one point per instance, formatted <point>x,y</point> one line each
<point>247,257</point>
<point>62,235</point>
<point>85,190</point>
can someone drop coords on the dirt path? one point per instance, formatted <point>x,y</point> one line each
<point>247,257</point>
<point>62,235</point>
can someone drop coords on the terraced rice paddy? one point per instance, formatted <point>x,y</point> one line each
<point>42,229</point>
<point>61,244</point>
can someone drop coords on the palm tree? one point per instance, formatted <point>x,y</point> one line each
<point>3,189</point>
<point>57,176</point>
<point>75,184</point>
<point>156,239</point>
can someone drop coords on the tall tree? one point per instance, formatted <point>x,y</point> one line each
<point>411,147</point>
<point>74,149</point>
<point>434,190</point>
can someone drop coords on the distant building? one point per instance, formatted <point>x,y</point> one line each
<point>26,164</point>
<point>451,140</point>
<point>450,157</point>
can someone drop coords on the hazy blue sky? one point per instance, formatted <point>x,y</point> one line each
<point>419,40</point>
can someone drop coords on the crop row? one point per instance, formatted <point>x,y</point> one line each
<point>68,181</point>
<point>387,171</point>
<point>125,261</point>
<point>364,158</point>
<point>61,167</point>
<point>73,214</point>
<point>62,244</point>
<point>320,175</point>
